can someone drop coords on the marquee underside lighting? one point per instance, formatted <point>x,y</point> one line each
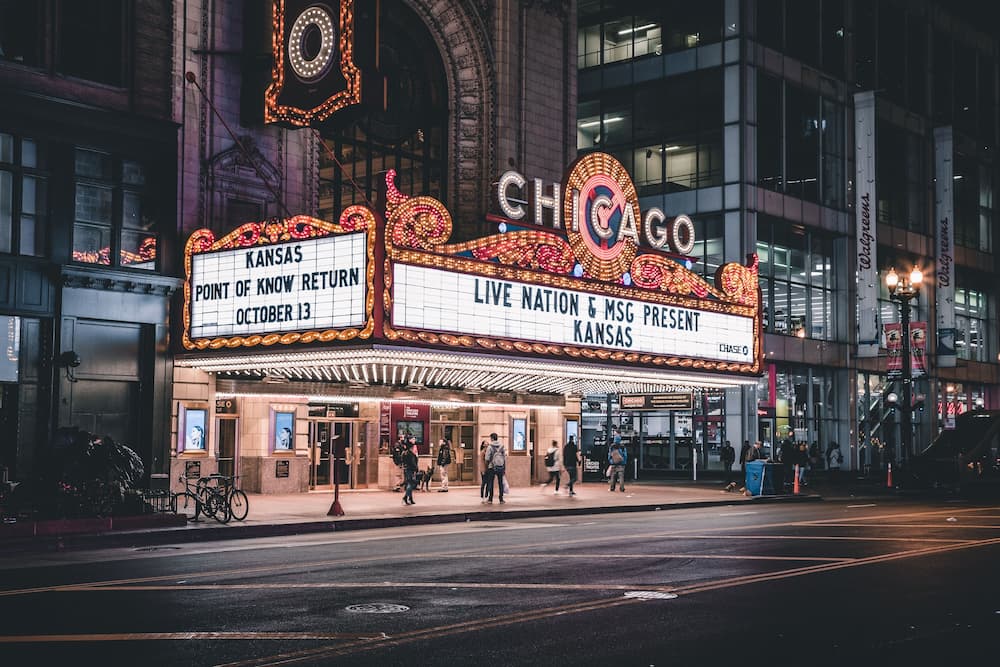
<point>396,368</point>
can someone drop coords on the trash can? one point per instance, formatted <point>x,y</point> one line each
<point>764,479</point>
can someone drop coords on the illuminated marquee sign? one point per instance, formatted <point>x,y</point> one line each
<point>435,300</point>
<point>299,280</point>
<point>600,281</point>
<point>314,73</point>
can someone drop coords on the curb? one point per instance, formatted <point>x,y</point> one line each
<point>235,532</point>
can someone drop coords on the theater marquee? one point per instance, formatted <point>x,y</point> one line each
<point>580,273</point>
<point>590,276</point>
<point>297,280</point>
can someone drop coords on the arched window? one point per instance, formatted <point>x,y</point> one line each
<point>410,136</point>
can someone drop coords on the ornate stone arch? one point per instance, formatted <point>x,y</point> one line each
<point>243,175</point>
<point>459,29</point>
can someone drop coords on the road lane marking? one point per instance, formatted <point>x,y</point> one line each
<point>158,636</point>
<point>468,552</point>
<point>858,523</point>
<point>737,513</point>
<point>856,506</point>
<point>491,623</point>
<point>434,632</point>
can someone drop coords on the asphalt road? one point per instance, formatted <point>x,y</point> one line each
<point>891,582</point>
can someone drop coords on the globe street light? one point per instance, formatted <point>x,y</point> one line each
<point>903,290</point>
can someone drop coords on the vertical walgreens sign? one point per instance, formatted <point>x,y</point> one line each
<point>944,244</point>
<point>865,210</point>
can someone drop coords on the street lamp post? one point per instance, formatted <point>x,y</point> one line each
<point>903,291</point>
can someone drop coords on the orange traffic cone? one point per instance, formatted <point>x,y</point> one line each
<point>888,479</point>
<point>795,484</point>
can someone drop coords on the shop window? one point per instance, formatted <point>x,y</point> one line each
<point>23,196</point>
<point>115,218</point>
<point>795,279</point>
<point>972,321</point>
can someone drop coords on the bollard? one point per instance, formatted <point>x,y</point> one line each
<point>888,479</point>
<point>795,483</point>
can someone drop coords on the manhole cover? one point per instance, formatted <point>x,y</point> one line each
<point>377,608</point>
<point>650,595</point>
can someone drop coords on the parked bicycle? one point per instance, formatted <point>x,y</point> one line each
<point>205,496</point>
<point>239,504</point>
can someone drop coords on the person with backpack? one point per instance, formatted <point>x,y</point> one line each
<point>496,465</point>
<point>552,465</point>
<point>617,458</point>
<point>570,461</point>
<point>398,450</point>
<point>443,461</point>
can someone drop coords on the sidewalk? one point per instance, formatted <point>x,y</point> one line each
<point>293,514</point>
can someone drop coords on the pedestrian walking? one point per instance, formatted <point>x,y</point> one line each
<point>728,456</point>
<point>617,459</point>
<point>485,473</point>
<point>443,461</point>
<point>398,450</point>
<point>410,466</point>
<point>570,460</point>
<point>496,462</point>
<point>802,459</point>
<point>553,465</point>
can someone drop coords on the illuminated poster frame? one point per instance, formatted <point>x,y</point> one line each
<point>581,260</point>
<point>276,233</point>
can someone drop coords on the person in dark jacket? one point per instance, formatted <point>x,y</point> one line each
<point>410,466</point>
<point>617,460</point>
<point>570,460</point>
<point>788,453</point>
<point>744,456</point>
<point>728,457</point>
<point>443,461</point>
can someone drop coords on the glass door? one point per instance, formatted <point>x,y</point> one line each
<point>226,448</point>
<point>319,455</point>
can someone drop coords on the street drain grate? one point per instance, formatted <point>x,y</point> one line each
<point>377,608</point>
<point>650,595</point>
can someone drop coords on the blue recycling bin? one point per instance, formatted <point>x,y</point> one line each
<point>764,479</point>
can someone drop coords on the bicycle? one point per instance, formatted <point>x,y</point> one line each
<point>236,499</point>
<point>213,491</point>
<point>239,504</point>
<point>201,497</point>
<point>187,502</point>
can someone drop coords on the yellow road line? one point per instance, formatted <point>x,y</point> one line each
<point>442,631</point>
<point>955,524</point>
